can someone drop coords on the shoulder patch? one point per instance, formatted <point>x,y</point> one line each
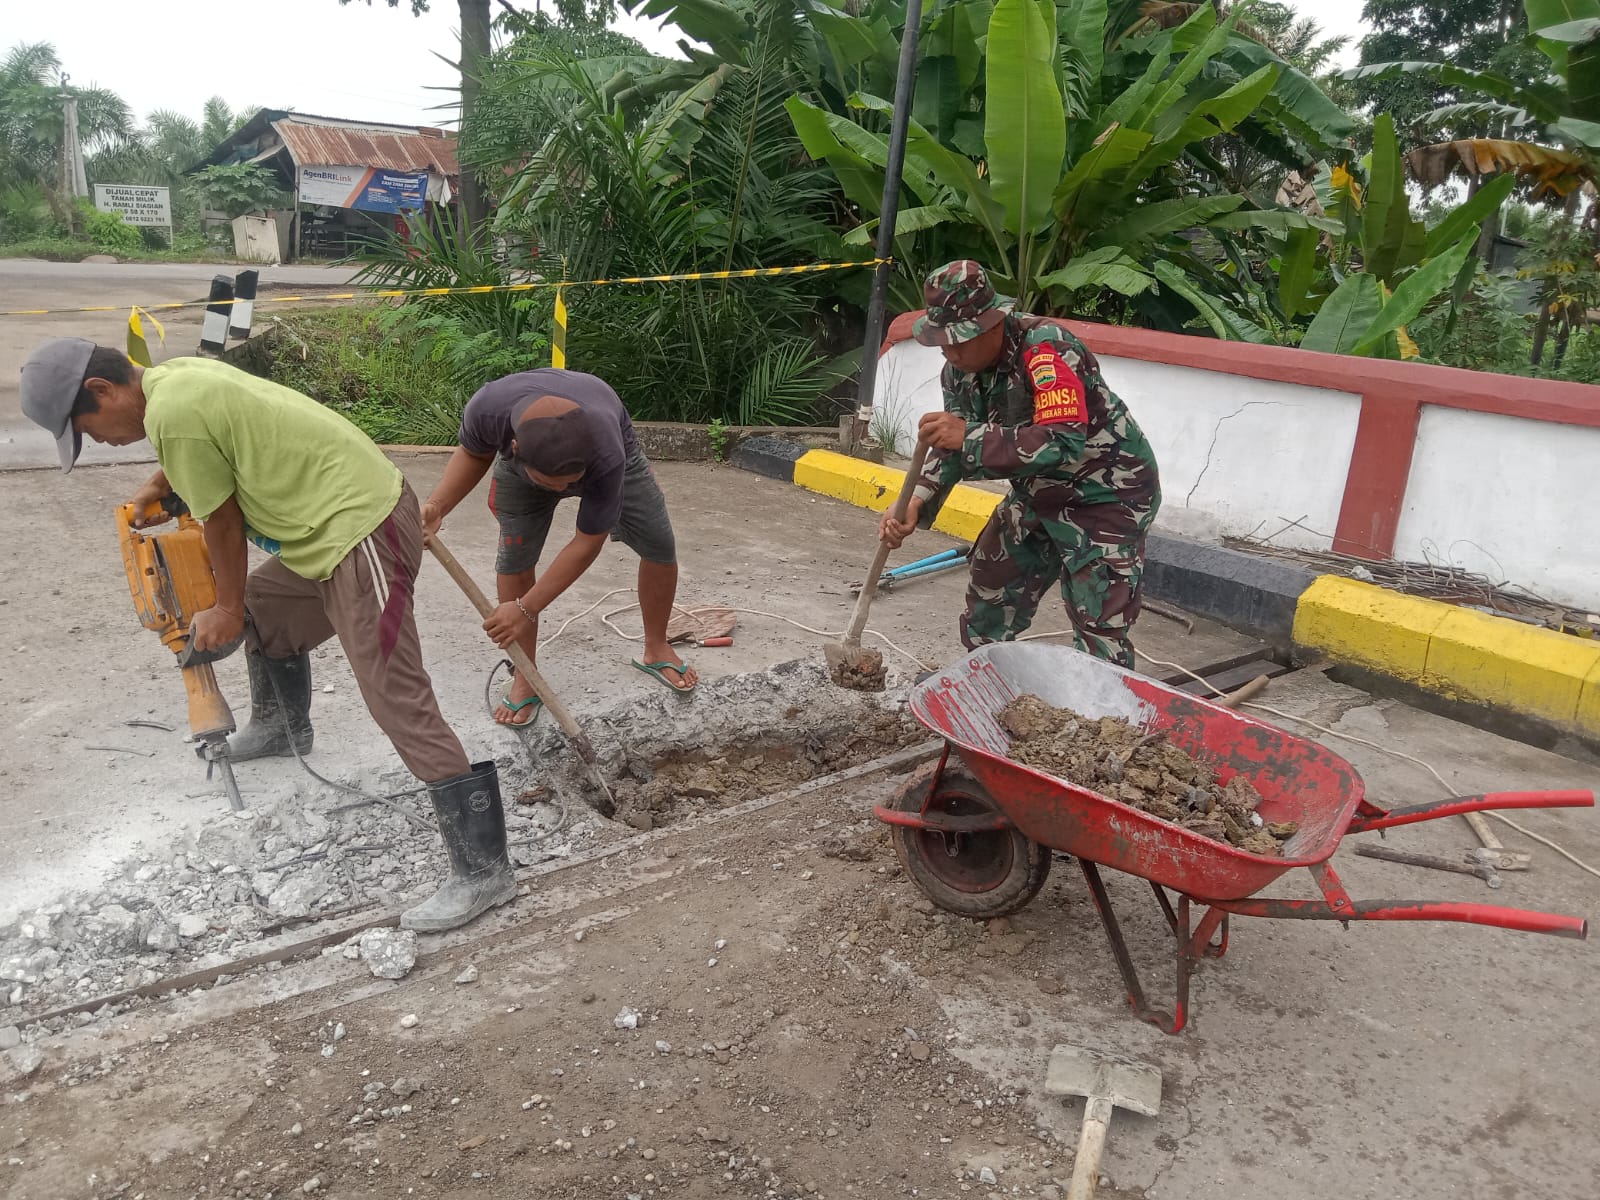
<point>1058,393</point>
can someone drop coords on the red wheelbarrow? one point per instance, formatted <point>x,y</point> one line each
<point>977,836</point>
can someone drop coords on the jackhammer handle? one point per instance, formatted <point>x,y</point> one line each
<point>869,588</point>
<point>481,602</point>
<point>158,512</point>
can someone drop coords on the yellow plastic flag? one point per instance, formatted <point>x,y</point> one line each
<point>558,335</point>
<point>138,348</point>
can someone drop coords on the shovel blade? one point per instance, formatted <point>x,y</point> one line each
<point>1126,1082</point>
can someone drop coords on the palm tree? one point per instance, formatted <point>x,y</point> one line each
<point>32,123</point>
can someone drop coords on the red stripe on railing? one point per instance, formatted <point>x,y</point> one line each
<point>1392,393</point>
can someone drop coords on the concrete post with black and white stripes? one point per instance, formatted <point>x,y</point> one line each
<point>244,304</point>
<point>214,328</point>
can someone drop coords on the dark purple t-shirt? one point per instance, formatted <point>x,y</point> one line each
<point>486,429</point>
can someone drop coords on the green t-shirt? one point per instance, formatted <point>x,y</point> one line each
<point>310,484</point>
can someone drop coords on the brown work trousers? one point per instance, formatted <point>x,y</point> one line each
<point>367,602</point>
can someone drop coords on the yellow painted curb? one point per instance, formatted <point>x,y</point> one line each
<point>1506,663</point>
<point>1367,626</point>
<point>1589,701</point>
<point>864,484</point>
<point>869,485</point>
<point>1453,651</point>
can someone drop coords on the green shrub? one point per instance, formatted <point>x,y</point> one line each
<point>24,212</point>
<point>109,232</point>
<point>344,358</point>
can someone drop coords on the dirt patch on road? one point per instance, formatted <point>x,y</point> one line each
<point>1140,769</point>
<point>754,1020</point>
<point>689,785</point>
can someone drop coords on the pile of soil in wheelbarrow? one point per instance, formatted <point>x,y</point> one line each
<point>1143,770</point>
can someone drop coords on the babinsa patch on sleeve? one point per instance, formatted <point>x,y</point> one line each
<point>1058,395</point>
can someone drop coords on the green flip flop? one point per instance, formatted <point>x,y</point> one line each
<point>517,708</point>
<point>657,670</point>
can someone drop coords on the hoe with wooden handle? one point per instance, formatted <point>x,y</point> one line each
<point>1105,1081</point>
<point>848,664</point>
<point>607,804</point>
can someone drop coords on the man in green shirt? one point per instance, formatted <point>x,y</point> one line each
<point>257,462</point>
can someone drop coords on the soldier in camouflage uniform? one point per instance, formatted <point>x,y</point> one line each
<point>1024,402</point>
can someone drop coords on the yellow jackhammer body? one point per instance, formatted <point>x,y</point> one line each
<point>169,576</point>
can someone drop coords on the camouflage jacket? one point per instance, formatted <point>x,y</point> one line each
<point>1041,414</point>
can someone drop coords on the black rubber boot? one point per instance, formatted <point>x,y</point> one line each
<point>280,709</point>
<point>474,829</point>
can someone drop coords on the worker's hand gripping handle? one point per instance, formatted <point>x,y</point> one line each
<point>161,511</point>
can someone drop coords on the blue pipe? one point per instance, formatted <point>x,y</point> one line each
<point>915,569</point>
<point>912,567</point>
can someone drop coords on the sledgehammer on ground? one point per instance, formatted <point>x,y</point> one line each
<point>580,740</point>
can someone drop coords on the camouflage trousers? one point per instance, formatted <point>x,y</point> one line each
<point>1096,552</point>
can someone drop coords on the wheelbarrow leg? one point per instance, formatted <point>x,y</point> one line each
<point>1191,949</point>
<point>1119,949</point>
<point>1212,949</point>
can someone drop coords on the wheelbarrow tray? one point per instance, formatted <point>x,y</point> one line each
<point>1299,780</point>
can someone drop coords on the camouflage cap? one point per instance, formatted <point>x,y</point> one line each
<point>962,304</point>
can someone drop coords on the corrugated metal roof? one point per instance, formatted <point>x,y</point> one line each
<point>314,142</point>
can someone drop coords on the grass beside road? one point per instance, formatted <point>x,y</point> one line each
<point>342,357</point>
<point>67,250</point>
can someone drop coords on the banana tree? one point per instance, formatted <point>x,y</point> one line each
<point>1403,265</point>
<point>1072,194</point>
<point>1563,109</point>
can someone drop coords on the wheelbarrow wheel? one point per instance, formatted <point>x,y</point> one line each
<point>978,875</point>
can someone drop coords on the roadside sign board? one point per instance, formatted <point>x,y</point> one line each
<point>138,204</point>
<point>370,189</point>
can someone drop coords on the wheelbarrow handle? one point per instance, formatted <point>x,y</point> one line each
<point>1410,910</point>
<point>1374,818</point>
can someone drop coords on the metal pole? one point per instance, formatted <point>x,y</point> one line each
<point>904,87</point>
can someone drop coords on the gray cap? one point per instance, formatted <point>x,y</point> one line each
<point>51,379</point>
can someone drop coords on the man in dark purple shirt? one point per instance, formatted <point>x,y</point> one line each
<point>545,436</point>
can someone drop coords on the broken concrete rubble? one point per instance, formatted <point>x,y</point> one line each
<point>389,953</point>
<point>306,853</point>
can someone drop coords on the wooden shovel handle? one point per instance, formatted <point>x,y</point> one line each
<point>1091,1145</point>
<point>514,652</point>
<point>869,589</point>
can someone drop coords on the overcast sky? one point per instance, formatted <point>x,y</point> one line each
<point>364,63</point>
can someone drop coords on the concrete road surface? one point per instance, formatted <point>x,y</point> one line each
<point>31,283</point>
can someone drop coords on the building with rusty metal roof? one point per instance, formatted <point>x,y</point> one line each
<point>347,177</point>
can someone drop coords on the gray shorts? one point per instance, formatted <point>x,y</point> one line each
<point>524,512</point>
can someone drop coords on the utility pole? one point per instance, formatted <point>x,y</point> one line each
<point>74,183</point>
<point>475,48</point>
<point>904,89</point>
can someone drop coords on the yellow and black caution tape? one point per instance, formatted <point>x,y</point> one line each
<point>558,332</point>
<point>138,348</point>
<point>481,290</point>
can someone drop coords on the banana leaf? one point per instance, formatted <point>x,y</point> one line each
<point>907,220</point>
<point>1103,169</point>
<point>1469,214</point>
<point>1104,268</point>
<point>861,180</point>
<point>1414,294</point>
<point>1345,316</point>
<point>1225,324</point>
<point>1149,222</point>
<point>1083,28</point>
<point>1025,126</point>
<point>1296,271</point>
